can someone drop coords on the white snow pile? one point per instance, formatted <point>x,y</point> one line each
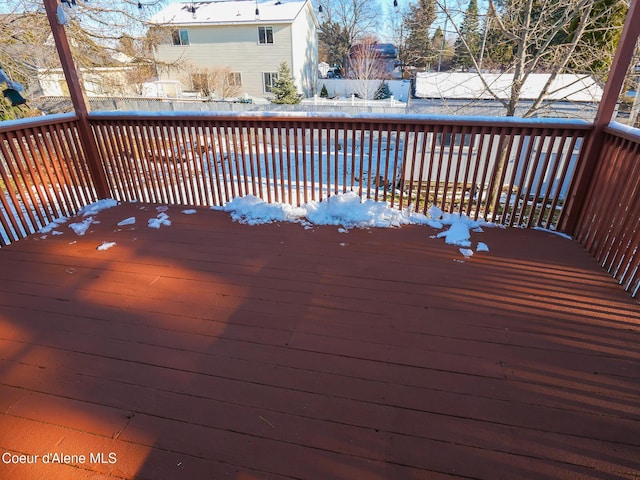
<point>347,210</point>
<point>105,246</point>
<point>127,221</point>
<point>95,207</point>
<point>466,252</point>
<point>53,225</point>
<point>80,228</point>
<point>460,228</point>
<point>253,211</point>
<point>160,219</point>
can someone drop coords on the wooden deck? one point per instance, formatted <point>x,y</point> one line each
<point>210,349</point>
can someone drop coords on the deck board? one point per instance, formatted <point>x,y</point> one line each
<point>212,349</point>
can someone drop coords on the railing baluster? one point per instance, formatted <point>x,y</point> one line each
<point>254,160</point>
<point>528,140</point>
<point>306,155</point>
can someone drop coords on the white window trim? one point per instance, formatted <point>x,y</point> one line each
<point>266,37</point>
<point>273,76</point>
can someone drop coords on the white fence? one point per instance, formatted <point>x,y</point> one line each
<point>345,88</point>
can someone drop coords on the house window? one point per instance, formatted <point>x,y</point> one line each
<point>180,37</point>
<point>234,79</point>
<point>269,79</point>
<point>200,83</point>
<point>265,35</point>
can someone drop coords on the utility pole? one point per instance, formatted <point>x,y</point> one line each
<point>78,98</point>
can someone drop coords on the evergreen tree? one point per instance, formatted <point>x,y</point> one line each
<point>418,48</point>
<point>467,45</point>
<point>597,48</point>
<point>284,88</point>
<point>498,51</point>
<point>324,93</point>
<point>383,92</point>
<point>438,39</point>
<point>444,51</point>
<point>334,44</point>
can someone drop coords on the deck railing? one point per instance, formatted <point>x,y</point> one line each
<point>43,174</point>
<point>609,226</point>
<point>513,172</point>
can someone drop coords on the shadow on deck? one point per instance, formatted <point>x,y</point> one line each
<point>211,349</point>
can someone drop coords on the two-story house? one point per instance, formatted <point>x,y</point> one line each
<point>246,40</point>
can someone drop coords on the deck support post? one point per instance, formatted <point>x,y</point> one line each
<point>78,99</point>
<point>590,154</point>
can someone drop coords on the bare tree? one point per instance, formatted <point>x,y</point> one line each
<point>544,36</point>
<point>366,66</point>
<point>95,31</point>
<point>343,22</point>
<point>214,81</point>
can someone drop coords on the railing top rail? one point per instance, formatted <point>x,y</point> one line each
<point>13,125</point>
<point>623,131</point>
<point>362,118</point>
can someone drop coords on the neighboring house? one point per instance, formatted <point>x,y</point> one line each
<point>122,76</point>
<point>29,54</point>
<point>248,39</point>
<point>97,82</point>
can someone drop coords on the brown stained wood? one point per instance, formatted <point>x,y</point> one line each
<point>212,349</point>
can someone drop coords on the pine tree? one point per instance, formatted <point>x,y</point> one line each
<point>467,45</point>
<point>418,50</point>
<point>334,44</point>
<point>324,93</point>
<point>284,88</point>
<point>383,92</point>
<point>597,48</point>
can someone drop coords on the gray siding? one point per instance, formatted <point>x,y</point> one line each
<point>235,46</point>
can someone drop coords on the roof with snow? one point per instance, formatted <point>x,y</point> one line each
<point>228,12</point>
<point>568,87</point>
